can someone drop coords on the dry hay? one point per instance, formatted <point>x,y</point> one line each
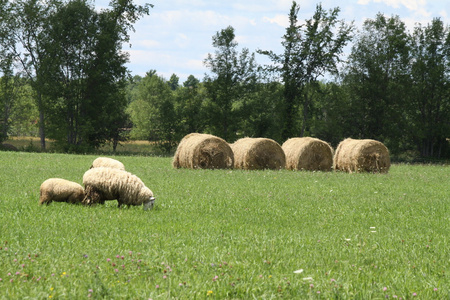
<point>258,154</point>
<point>308,153</point>
<point>362,156</point>
<point>203,151</point>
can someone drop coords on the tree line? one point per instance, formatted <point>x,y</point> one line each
<point>393,86</point>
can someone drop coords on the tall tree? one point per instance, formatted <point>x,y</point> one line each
<point>233,76</point>
<point>310,51</point>
<point>190,110</point>
<point>378,79</point>
<point>87,70</point>
<point>26,25</point>
<point>153,113</point>
<point>430,101</point>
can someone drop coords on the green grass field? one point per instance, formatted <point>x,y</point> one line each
<point>227,234</point>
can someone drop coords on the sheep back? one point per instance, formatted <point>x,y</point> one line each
<point>107,163</point>
<point>60,190</point>
<point>103,184</point>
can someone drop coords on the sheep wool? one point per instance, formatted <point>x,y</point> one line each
<point>60,190</point>
<point>103,184</point>
<point>107,163</point>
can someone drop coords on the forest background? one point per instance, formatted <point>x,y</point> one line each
<point>63,77</point>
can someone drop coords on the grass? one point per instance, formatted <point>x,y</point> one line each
<point>130,148</point>
<point>226,234</point>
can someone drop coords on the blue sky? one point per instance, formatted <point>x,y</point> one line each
<point>177,35</point>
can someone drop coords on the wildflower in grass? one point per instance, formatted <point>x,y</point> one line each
<point>435,289</point>
<point>270,276</point>
<point>1,279</point>
<point>209,293</point>
<point>108,259</point>
<point>260,276</point>
<point>395,296</point>
<point>333,280</point>
<point>318,292</point>
<point>414,294</point>
<point>90,290</point>
<point>180,284</point>
<point>17,273</point>
<point>385,289</point>
<point>157,286</point>
<point>311,286</point>
<point>164,277</point>
<point>122,257</point>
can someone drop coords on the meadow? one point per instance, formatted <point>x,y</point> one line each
<point>227,234</point>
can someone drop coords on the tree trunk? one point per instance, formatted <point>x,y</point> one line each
<point>41,122</point>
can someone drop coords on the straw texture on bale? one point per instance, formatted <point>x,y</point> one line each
<point>258,154</point>
<point>203,151</point>
<point>308,153</point>
<point>362,156</point>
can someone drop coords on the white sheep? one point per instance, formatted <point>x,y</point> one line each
<point>103,184</point>
<point>107,163</point>
<point>60,190</point>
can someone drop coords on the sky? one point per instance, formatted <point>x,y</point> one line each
<point>177,35</point>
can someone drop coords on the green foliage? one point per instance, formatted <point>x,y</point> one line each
<point>226,234</point>
<point>430,105</point>
<point>153,113</point>
<point>232,80</point>
<point>190,106</point>
<point>310,51</point>
<point>378,80</point>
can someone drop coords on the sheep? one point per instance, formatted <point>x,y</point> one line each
<point>103,184</point>
<point>107,163</point>
<point>60,190</point>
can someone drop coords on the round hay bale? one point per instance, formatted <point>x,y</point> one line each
<point>362,156</point>
<point>203,151</point>
<point>308,153</point>
<point>258,154</point>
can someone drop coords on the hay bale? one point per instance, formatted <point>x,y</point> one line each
<point>308,153</point>
<point>362,156</point>
<point>258,154</point>
<point>203,151</point>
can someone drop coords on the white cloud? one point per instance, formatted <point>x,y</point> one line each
<point>280,20</point>
<point>417,6</point>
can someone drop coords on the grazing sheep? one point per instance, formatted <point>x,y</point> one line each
<point>103,184</point>
<point>60,190</point>
<point>107,163</point>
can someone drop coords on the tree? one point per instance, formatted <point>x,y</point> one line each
<point>173,82</point>
<point>25,26</point>
<point>85,73</point>
<point>310,51</point>
<point>189,107</point>
<point>378,80</point>
<point>153,113</point>
<point>233,78</point>
<point>430,101</point>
